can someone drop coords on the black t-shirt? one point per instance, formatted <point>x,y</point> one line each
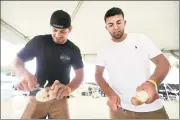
<point>53,61</point>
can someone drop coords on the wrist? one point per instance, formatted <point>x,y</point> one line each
<point>112,95</point>
<point>23,74</point>
<point>69,89</point>
<point>153,82</point>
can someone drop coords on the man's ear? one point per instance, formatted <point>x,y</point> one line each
<point>124,22</point>
<point>106,27</point>
<point>70,28</point>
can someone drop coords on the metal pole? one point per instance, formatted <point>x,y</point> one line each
<point>15,30</point>
<point>76,9</point>
<point>166,92</point>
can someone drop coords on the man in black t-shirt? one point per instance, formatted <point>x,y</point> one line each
<point>55,55</point>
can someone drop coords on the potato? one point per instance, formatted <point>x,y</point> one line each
<point>42,95</point>
<point>140,98</point>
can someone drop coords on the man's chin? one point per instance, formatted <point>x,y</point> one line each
<point>116,36</point>
<point>119,37</point>
<point>59,42</point>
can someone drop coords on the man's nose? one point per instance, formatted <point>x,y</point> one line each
<point>58,35</point>
<point>115,27</point>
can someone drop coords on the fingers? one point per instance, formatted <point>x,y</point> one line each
<point>157,96</point>
<point>139,88</point>
<point>135,101</point>
<point>48,89</point>
<point>60,92</point>
<point>51,94</point>
<point>55,90</point>
<point>152,99</point>
<point>113,104</point>
<point>19,86</point>
<point>119,108</point>
<point>118,102</point>
<point>28,83</point>
<point>33,81</point>
<point>108,103</point>
<point>115,107</point>
<point>65,92</point>
<point>56,82</point>
<point>32,84</point>
<point>25,86</point>
<point>149,100</point>
<point>150,89</point>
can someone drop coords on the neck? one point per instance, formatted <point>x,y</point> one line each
<point>120,39</point>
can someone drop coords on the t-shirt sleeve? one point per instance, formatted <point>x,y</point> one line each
<point>77,62</point>
<point>151,48</point>
<point>100,59</point>
<point>29,51</point>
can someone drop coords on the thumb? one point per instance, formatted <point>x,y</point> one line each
<point>157,96</point>
<point>139,88</point>
<point>35,79</point>
<point>55,83</point>
<point>35,82</point>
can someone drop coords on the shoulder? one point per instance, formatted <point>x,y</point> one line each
<point>140,38</point>
<point>137,35</point>
<point>72,45</point>
<point>39,38</point>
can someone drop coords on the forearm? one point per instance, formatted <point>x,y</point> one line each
<point>105,86</point>
<point>75,83</point>
<point>18,68</point>
<point>160,72</point>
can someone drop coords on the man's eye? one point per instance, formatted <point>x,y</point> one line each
<point>54,30</point>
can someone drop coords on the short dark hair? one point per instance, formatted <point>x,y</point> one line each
<point>113,11</point>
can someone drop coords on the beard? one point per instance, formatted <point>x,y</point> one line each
<point>59,41</point>
<point>117,35</point>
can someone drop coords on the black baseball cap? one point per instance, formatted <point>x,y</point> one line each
<point>60,19</point>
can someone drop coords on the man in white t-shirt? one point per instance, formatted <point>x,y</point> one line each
<point>127,61</point>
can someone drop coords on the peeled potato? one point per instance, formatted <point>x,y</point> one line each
<point>135,101</point>
<point>140,98</point>
<point>42,95</point>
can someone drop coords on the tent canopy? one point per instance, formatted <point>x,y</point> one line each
<point>159,20</point>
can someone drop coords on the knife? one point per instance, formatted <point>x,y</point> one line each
<point>32,93</point>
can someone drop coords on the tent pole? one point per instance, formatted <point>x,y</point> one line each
<point>166,92</point>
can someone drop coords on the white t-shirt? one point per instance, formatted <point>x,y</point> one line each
<point>128,66</point>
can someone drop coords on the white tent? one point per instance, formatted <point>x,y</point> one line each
<point>21,20</point>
